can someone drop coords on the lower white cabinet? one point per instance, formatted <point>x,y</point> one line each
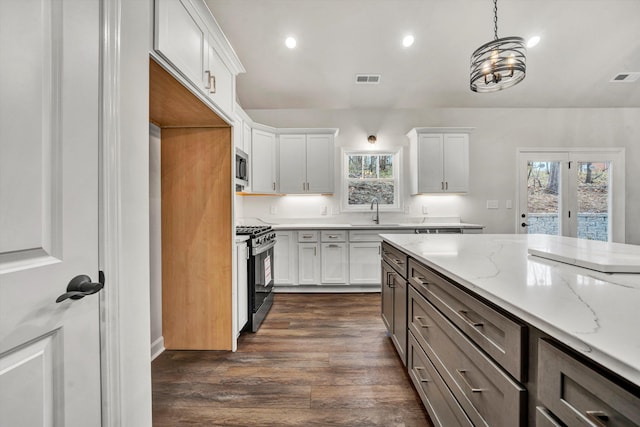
<point>285,256</point>
<point>334,260</point>
<point>308,263</point>
<point>364,263</point>
<point>241,291</point>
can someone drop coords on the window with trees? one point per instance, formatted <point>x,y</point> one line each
<point>368,175</point>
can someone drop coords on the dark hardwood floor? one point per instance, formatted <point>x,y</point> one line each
<point>317,360</point>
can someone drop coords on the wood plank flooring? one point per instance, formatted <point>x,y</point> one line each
<point>317,360</point>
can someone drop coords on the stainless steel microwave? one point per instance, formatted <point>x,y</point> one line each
<point>242,168</point>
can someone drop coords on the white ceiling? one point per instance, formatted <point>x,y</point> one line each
<point>585,43</point>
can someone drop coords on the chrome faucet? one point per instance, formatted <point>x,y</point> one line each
<point>377,217</point>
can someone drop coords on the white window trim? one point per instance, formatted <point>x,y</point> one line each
<point>397,176</point>
<point>616,155</point>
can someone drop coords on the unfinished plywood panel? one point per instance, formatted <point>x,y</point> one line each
<point>173,105</point>
<point>196,238</point>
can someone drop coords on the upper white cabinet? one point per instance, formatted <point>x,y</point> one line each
<point>439,160</point>
<point>263,164</point>
<point>188,37</point>
<point>306,163</point>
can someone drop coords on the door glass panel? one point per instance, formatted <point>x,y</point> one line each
<point>593,186</point>
<point>543,197</point>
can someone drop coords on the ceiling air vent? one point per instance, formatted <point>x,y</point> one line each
<point>368,79</point>
<point>625,77</point>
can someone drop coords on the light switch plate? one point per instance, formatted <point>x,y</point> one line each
<point>323,210</point>
<point>273,209</point>
<point>508,204</point>
<point>425,209</point>
<point>493,204</point>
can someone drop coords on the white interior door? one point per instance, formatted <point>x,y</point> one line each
<point>49,352</point>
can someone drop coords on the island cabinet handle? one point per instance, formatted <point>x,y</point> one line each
<point>462,373</point>
<point>599,418</point>
<point>333,236</point>
<point>391,280</point>
<point>420,280</point>
<point>307,236</point>
<point>419,320</point>
<point>397,261</point>
<point>465,316</point>
<point>422,379</point>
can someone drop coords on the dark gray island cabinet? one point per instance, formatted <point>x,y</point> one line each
<point>475,363</point>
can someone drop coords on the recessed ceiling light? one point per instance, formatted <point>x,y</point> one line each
<point>533,41</point>
<point>290,42</point>
<point>407,40</point>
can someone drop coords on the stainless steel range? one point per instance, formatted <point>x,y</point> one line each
<point>261,241</point>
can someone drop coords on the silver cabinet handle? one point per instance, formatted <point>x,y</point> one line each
<point>599,418</point>
<point>208,74</point>
<point>333,236</point>
<point>446,185</point>
<point>303,187</point>
<point>307,236</point>
<point>465,316</point>
<point>461,372</point>
<point>442,185</point>
<point>333,246</point>
<point>213,84</point>
<point>419,320</point>
<point>421,378</point>
<point>274,186</point>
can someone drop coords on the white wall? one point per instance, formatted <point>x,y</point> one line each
<point>492,160</point>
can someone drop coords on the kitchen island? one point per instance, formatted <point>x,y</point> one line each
<point>549,316</point>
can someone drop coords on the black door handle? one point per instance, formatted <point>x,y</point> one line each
<point>81,286</point>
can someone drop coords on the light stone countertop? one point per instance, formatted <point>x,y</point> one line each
<point>596,314</point>
<point>372,226</point>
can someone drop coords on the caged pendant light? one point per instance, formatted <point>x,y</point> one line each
<point>499,64</point>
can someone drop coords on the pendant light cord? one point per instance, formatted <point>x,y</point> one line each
<point>495,18</point>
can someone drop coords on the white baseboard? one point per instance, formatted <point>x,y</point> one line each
<point>326,289</point>
<point>157,348</point>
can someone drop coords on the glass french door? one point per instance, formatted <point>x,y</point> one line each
<point>570,193</point>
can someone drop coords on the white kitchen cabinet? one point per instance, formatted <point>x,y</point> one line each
<point>308,263</point>
<point>246,137</point>
<point>334,260</point>
<point>285,258</point>
<point>439,160</point>
<point>189,39</point>
<point>306,163</point>
<point>241,291</point>
<point>364,263</point>
<point>263,162</point>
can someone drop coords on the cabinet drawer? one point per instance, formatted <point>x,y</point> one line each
<point>502,338</point>
<point>395,258</point>
<point>486,393</point>
<point>544,418</point>
<point>578,395</point>
<point>308,236</point>
<point>333,235</point>
<point>436,397</point>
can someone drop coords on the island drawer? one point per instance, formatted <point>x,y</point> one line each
<point>578,395</point>
<point>501,337</point>
<point>486,393</point>
<point>333,235</point>
<point>442,407</point>
<point>308,236</point>
<point>395,258</point>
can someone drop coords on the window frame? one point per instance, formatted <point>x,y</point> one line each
<point>396,154</point>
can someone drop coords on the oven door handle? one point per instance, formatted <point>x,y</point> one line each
<point>257,251</point>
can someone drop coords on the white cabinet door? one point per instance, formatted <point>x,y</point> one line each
<point>181,38</point>
<point>242,289</point>
<point>49,148</point>
<point>320,159</point>
<point>246,137</point>
<point>218,83</point>
<point>285,254</point>
<point>364,263</point>
<point>309,263</point>
<point>456,163</point>
<point>263,168</point>
<point>293,160</point>
<point>335,263</point>
<point>430,165</point>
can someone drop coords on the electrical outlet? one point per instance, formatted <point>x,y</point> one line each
<point>323,210</point>
<point>425,209</point>
<point>493,204</point>
<point>273,209</point>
